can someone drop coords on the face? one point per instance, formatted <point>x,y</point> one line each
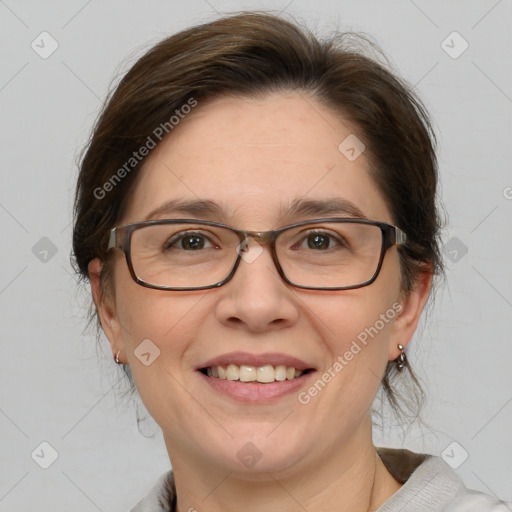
<point>254,158</point>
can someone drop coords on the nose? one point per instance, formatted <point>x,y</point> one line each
<point>256,299</point>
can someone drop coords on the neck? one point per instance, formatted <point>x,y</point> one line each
<point>352,479</point>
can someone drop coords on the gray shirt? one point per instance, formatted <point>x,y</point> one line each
<point>429,485</point>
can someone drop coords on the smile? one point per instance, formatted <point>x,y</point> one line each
<point>262,384</point>
<point>263,374</point>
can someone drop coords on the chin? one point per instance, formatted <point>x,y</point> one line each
<point>252,456</point>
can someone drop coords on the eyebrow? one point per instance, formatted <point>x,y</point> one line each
<point>205,208</point>
<point>195,207</point>
<point>330,206</point>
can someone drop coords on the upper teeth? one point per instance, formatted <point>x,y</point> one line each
<point>244,373</point>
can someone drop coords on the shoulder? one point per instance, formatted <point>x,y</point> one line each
<point>431,485</point>
<point>161,497</point>
<point>468,500</point>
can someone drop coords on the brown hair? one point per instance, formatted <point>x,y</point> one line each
<point>252,54</point>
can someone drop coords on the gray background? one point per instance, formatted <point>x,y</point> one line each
<point>54,384</point>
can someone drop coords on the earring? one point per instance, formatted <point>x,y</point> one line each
<point>116,358</point>
<point>401,360</point>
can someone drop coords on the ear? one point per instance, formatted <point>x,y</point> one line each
<point>406,322</point>
<point>105,306</point>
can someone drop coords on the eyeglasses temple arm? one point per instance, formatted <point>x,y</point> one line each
<point>400,236</point>
<point>112,240</point>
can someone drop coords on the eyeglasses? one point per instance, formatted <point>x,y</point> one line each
<point>321,254</point>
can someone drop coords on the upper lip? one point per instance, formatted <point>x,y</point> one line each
<point>257,360</point>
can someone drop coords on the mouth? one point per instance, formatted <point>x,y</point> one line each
<point>265,374</point>
<point>255,384</point>
<point>255,378</point>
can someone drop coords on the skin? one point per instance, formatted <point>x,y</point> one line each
<point>252,156</point>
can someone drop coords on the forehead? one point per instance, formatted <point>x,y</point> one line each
<point>255,158</point>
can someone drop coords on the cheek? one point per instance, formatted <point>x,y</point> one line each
<point>356,329</point>
<point>364,314</point>
<point>147,314</point>
<point>161,323</point>
<point>357,325</point>
<point>158,330</point>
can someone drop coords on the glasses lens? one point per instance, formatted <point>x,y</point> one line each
<point>330,254</point>
<point>183,255</point>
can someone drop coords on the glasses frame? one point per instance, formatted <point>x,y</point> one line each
<point>120,238</point>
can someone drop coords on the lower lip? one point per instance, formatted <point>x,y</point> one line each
<point>255,391</point>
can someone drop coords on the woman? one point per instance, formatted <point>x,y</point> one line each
<point>256,214</point>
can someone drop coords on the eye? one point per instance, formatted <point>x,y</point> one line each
<point>320,240</point>
<point>189,241</point>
